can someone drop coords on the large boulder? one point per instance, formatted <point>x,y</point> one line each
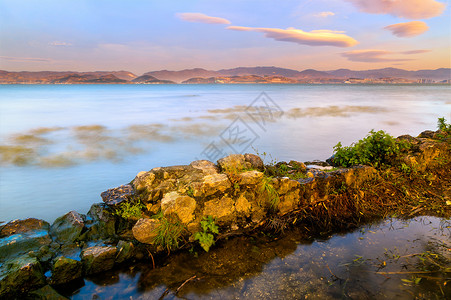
<point>234,163</point>
<point>221,210</point>
<point>182,206</point>
<point>98,259</point>
<point>22,236</point>
<point>102,222</point>
<point>211,184</point>
<point>207,167</point>
<point>67,229</point>
<point>20,275</point>
<point>255,161</point>
<point>145,230</point>
<point>65,270</point>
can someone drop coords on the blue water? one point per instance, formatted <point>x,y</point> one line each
<point>175,124</point>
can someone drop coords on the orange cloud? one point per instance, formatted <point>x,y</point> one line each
<point>408,29</point>
<point>409,9</point>
<point>202,18</point>
<point>324,14</point>
<point>371,55</point>
<point>312,38</point>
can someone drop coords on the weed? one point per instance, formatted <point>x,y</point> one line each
<point>267,190</point>
<point>443,126</point>
<point>376,149</point>
<point>206,236</point>
<point>190,192</point>
<point>129,210</point>
<point>169,232</point>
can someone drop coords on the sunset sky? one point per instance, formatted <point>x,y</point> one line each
<point>144,35</point>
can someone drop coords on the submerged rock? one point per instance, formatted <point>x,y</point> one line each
<point>20,275</point>
<point>22,226</point>
<point>67,229</point>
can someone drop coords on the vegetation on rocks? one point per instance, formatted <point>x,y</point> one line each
<point>169,232</point>
<point>206,237</point>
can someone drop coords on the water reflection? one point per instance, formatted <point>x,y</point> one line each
<point>402,259</point>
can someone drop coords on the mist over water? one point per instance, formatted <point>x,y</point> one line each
<point>61,146</point>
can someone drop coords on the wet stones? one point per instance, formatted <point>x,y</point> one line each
<point>117,195</point>
<point>97,259</point>
<point>65,270</point>
<point>67,229</point>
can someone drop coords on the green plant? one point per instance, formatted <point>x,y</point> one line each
<point>443,126</point>
<point>190,192</point>
<point>169,232</point>
<point>376,149</point>
<point>267,190</point>
<point>129,210</point>
<point>206,236</point>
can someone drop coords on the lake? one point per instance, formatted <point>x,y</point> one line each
<point>62,145</point>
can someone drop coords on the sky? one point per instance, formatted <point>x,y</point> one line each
<point>146,35</point>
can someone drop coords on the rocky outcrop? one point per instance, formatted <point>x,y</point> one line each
<point>170,204</point>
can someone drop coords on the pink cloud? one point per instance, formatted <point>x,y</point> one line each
<point>371,55</point>
<point>408,29</point>
<point>311,38</point>
<point>416,51</point>
<point>25,59</point>
<point>202,18</point>
<point>324,14</point>
<point>409,9</point>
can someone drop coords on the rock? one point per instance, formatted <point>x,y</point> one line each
<point>330,161</point>
<point>316,163</point>
<point>408,138</point>
<point>243,206</point>
<point>250,177</point>
<point>98,259</point>
<point>206,166</point>
<point>213,184</point>
<point>104,222</point>
<point>67,229</point>
<point>65,270</point>
<point>284,185</point>
<point>288,202</point>
<point>182,206</point>
<point>20,275</point>
<point>21,243</point>
<point>255,161</point>
<point>117,195</point>
<point>143,180</point>
<point>23,226</point>
<point>220,209</point>
<point>298,166</point>
<point>145,230</point>
<point>233,163</point>
<point>125,251</point>
<point>46,293</point>
<point>429,134</point>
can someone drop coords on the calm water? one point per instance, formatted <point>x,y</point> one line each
<point>63,145</point>
<point>390,260</point>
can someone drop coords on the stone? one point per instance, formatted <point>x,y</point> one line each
<point>104,222</point>
<point>205,166</point>
<point>429,134</point>
<point>23,226</point>
<point>20,243</point>
<point>243,206</point>
<point>145,230</point>
<point>67,229</point>
<point>298,166</point>
<point>222,210</point>
<point>125,251</point>
<point>255,161</point>
<point>117,195</point>
<point>182,206</point>
<point>288,202</point>
<point>233,163</point>
<point>214,183</point>
<point>65,270</point>
<point>20,275</point>
<point>250,177</point>
<point>98,259</point>
<point>47,293</point>
<point>283,185</point>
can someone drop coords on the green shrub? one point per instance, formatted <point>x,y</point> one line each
<point>268,191</point>
<point>129,210</point>
<point>169,232</point>
<point>375,149</point>
<point>443,126</point>
<point>206,236</point>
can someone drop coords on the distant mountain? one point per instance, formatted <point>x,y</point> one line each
<point>150,79</point>
<point>240,79</point>
<point>60,77</point>
<point>179,76</point>
<point>88,78</point>
<point>201,75</point>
